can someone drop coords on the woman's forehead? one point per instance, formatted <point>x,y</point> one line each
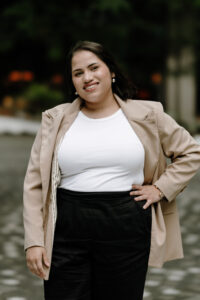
<point>83,58</point>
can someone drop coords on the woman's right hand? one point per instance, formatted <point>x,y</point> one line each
<point>36,259</point>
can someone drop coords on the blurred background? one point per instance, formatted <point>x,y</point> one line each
<point>156,43</point>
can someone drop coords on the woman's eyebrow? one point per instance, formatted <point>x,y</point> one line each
<point>90,65</point>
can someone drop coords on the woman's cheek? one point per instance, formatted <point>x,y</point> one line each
<point>76,85</point>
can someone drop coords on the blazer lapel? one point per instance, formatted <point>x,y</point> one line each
<point>49,131</point>
<point>55,123</point>
<point>143,123</point>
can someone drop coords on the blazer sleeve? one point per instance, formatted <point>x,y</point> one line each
<point>184,152</point>
<point>32,198</point>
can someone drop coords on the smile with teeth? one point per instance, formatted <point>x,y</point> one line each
<point>91,87</point>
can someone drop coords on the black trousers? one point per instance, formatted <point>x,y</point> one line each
<point>101,247</point>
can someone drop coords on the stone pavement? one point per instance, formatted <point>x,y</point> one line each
<point>177,280</point>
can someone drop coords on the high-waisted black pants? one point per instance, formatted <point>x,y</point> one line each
<point>101,247</point>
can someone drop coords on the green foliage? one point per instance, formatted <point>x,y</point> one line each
<point>114,6</point>
<point>55,53</point>
<point>16,21</point>
<point>197,3</point>
<point>40,97</point>
<point>139,33</point>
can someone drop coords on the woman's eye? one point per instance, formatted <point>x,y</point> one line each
<point>78,74</point>
<point>94,68</point>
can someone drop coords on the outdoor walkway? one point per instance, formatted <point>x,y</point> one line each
<point>14,125</point>
<point>177,280</point>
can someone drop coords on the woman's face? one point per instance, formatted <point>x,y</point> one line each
<point>91,77</point>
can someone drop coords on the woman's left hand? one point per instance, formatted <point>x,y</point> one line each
<point>145,192</point>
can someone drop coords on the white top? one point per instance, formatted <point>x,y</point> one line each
<point>101,154</point>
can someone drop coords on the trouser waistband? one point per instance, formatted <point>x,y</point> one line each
<point>92,195</point>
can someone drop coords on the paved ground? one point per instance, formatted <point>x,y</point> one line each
<point>177,280</point>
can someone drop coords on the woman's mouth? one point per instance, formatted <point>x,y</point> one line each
<point>90,88</point>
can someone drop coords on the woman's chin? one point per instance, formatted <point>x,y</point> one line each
<point>92,98</point>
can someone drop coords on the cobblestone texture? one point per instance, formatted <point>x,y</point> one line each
<point>178,279</point>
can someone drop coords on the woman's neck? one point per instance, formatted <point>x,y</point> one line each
<point>100,110</point>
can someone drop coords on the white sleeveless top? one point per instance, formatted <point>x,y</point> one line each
<point>101,154</point>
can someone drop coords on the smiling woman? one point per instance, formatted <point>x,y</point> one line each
<point>99,198</point>
<point>122,86</point>
<point>92,80</point>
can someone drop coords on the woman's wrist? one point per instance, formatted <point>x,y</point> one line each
<point>161,195</point>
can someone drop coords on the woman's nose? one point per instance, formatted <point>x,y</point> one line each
<point>87,76</point>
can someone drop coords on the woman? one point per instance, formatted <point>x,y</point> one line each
<point>99,200</point>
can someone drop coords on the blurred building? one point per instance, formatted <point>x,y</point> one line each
<point>181,88</point>
<point>182,69</point>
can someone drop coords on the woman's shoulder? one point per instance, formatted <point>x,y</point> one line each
<point>54,111</point>
<point>148,104</point>
<point>144,106</point>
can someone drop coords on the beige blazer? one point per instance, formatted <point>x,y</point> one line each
<point>161,137</point>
